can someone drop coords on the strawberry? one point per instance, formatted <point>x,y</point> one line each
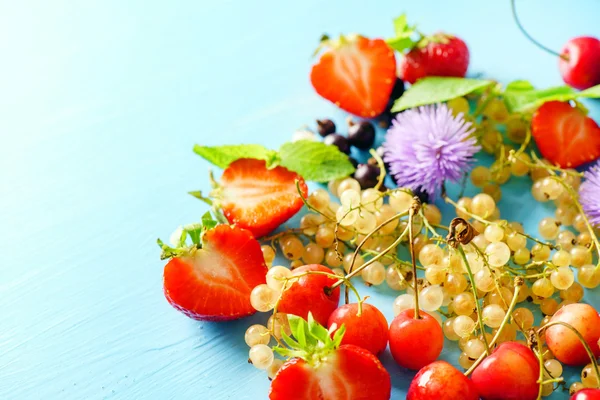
<point>355,73</point>
<point>257,198</point>
<point>438,55</point>
<point>309,294</point>
<point>565,135</point>
<point>212,279</point>
<point>323,369</point>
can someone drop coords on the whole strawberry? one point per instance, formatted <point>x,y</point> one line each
<point>439,55</point>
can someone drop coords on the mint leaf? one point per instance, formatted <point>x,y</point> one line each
<point>593,92</point>
<point>436,90</point>
<point>519,97</point>
<point>315,161</point>
<point>222,156</point>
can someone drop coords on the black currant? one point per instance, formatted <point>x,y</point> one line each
<point>325,127</point>
<point>398,90</point>
<point>422,195</point>
<point>338,140</point>
<point>353,161</point>
<point>361,135</point>
<point>367,175</point>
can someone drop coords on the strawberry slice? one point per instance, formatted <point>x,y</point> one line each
<point>356,73</point>
<point>322,369</point>
<point>565,135</point>
<point>259,199</point>
<point>214,282</point>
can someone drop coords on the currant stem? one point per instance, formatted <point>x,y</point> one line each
<point>461,251</point>
<point>411,213</point>
<point>381,166</point>
<point>528,36</point>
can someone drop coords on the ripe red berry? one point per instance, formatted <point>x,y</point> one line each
<point>308,294</point>
<point>579,62</point>
<point>587,394</point>
<point>441,381</point>
<point>414,343</point>
<point>565,344</point>
<point>369,331</point>
<point>511,372</point>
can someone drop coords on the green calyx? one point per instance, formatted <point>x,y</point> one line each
<point>311,341</point>
<point>190,238</point>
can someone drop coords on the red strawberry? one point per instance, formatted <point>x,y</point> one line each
<point>259,199</point>
<point>439,55</point>
<point>325,370</point>
<point>565,135</point>
<point>356,73</point>
<point>308,294</point>
<point>214,282</point>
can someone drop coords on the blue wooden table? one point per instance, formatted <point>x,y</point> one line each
<point>101,102</point>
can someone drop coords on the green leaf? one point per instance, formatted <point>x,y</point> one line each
<point>400,24</point>
<point>315,161</point>
<point>198,194</point>
<point>519,85</point>
<point>285,352</point>
<point>338,336</point>
<point>520,98</point>
<point>593,92</point>
<point>435,89</point>
<point>208,222</point>
<point>317,330</point>
<point>195,231</point>
<point>222,156</point>
<point>290,342</point>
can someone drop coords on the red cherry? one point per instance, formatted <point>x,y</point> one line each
<point>441,381</point>
<point>579,63</point>
<point>414,343</point>
<point>587,394</point>
<point>564,344</point>
<point>511,372</point>
<point>308,294</point>
<point>369,331</point>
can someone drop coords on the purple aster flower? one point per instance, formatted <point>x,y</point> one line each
<point>426,146</point>
<point>589,194</point>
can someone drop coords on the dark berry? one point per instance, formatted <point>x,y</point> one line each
<point>367,175</point>
<point>398,90</point>
<point>338,140</point>
<point>325,127</point>
<point>353,161</point>
<point>361,135</point>
<point>422,195</point>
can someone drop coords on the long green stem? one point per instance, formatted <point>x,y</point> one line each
<point>477,305</point>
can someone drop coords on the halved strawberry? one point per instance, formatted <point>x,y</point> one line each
<point>356,73</point>
<point>322,369</point>
<point>565,135</point>
<point>259,199</point>
<point>214,282</point>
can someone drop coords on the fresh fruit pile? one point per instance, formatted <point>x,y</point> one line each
<point>478,280</point>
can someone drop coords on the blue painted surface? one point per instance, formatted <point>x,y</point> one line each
<point>100,105</point>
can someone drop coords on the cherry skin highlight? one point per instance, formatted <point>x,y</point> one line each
<point>579,62</point>
<point>369,331</point>
<point>587,394</point>
<point>414,343</point>
<point>441,381</point>
<point>509,373</point>
<point>564,344</point>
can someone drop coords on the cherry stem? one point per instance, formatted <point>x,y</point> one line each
<point>582,340</point>
<point>474,291</point>
<point>415,206</point>
<point>507,316</point>
<point>528,36</point>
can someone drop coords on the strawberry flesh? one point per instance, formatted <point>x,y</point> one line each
<point>357,74</point>
<point>260,199</point>
<point>565,135</point>
<point>350,372</point>
<point>214,283</point>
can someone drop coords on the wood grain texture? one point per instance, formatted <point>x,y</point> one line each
<point>100,105</point>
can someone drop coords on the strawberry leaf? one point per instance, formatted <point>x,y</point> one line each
<point>338,336</point>
<point>436,89</point>
<point>222,156</point>
<point>593,92</point>
<point>315,161</point>
<point>404,35</point>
